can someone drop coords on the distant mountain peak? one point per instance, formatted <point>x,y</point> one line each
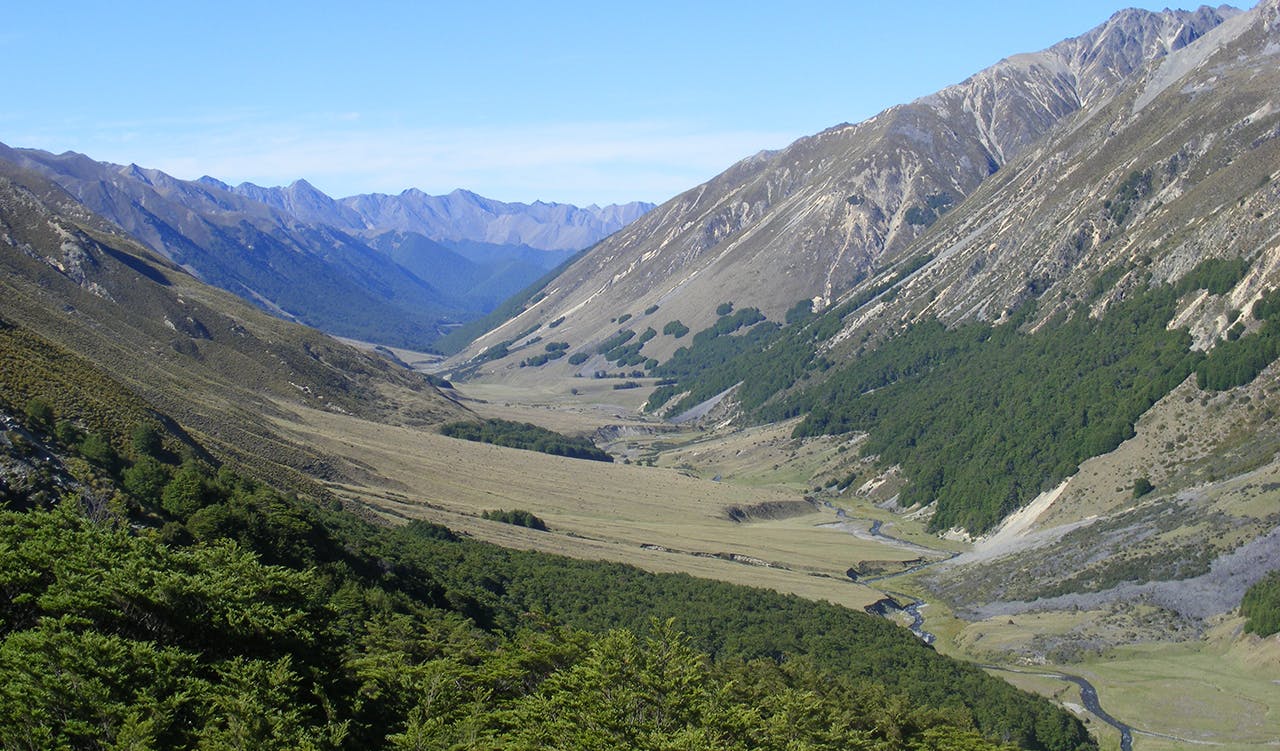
<point>213,182</point>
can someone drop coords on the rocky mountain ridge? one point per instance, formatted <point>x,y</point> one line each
<point>1172,169</point>
<point>457,217</point>
<point>831,210</point>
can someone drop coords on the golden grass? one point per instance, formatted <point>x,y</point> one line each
<point>757,455</point>
<point>595,510</point>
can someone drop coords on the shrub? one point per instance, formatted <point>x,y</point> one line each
<point>40,414</point>
<point>146,480</point>
<point>801,311</point>
<point>675,329</point>
<point>67,433</point>
<point>1261,606</point>
<point>518,518</point>
<point>920,216</point>
<point>145,440</point>
<point>98,450</point>
<point>186,493</point>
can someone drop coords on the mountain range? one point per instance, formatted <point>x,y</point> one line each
<point>459,217</point>
<point>397,270</point>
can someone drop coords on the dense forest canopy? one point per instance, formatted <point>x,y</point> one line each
<point>1261,606</point>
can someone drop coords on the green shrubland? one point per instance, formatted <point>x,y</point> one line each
<point>263,622</point>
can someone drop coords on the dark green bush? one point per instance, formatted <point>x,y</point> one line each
<point>518,518</point>
<point>675,329</point>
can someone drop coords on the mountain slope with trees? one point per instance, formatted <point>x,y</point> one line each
<point>198,608</point>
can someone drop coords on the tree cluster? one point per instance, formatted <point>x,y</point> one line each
<point>517,517</point>
<point>982,419</point>
<point>523,435</point>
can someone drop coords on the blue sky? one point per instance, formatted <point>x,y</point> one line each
<point>574,102</point>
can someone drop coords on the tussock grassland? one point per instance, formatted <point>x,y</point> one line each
<point>594,510</point>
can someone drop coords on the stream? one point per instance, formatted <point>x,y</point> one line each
<point>1088,694</point>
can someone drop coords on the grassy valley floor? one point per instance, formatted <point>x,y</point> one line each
<point>657,518</point>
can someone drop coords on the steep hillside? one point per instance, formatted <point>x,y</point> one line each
<point>812,220</point>
<point>198,356</point>
<point>1041,318</point>
<point>1171,183</point>
<point>1176,168</point>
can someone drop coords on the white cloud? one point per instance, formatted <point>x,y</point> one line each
<point>347,153</point>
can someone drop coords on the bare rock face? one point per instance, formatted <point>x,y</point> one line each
<point>812,220</point>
